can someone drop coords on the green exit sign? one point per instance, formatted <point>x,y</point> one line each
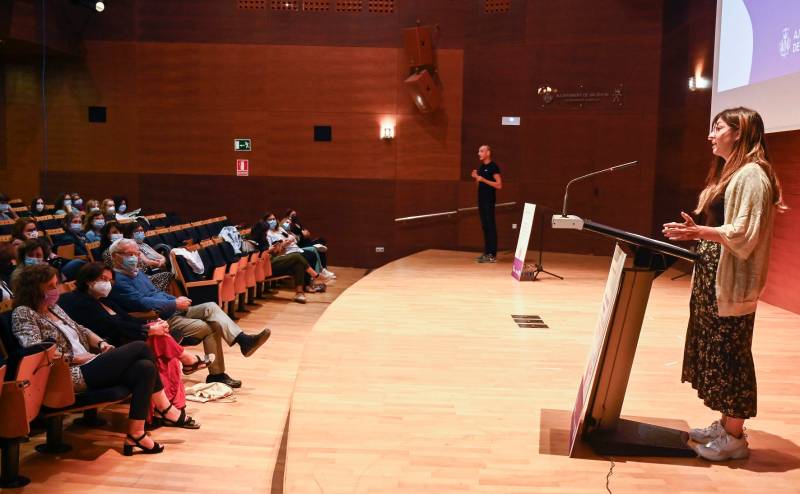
<point>242,145</point>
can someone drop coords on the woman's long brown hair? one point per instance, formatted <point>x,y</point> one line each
<point>751,147</point>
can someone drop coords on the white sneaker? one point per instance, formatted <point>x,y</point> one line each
<point>299,298</point>
<point>323,277</point>
<point>321,248</point>
<point>707,434</point>
<point>724,447</point>
<point>329,273</point>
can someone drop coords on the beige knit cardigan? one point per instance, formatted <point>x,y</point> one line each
<point>746,238</point>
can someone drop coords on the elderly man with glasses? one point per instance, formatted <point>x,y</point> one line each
<point>134,292</point>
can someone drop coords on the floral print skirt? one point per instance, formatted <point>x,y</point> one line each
<point>717,358</point>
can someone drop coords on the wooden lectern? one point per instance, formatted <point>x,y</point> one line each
<point>595,418</point>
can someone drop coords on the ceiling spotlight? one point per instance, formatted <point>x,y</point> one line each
<point>99,6</point>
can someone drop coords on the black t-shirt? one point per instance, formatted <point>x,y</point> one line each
<point>715,211</point>
<point>488,172</point>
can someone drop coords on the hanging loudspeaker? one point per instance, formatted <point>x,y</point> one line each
<point>424,91</point>
<point>419,46</point>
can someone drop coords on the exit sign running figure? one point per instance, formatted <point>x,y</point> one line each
<point>242,145</point>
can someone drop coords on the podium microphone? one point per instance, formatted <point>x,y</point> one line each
<point>573,222</point>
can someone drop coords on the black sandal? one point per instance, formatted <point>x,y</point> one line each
<point>184,421</point>
<point>199,364</point>
<point>127,449</point>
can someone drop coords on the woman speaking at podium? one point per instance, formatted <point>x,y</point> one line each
<point>738,203</point>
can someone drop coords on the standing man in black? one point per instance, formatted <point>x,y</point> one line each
<point>488,178</point>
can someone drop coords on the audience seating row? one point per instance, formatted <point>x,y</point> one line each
<point>41,387</point>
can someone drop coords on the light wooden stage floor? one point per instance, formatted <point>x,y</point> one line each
<point>418,380</point>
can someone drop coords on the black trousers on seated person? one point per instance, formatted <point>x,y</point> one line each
<point>131,365</point>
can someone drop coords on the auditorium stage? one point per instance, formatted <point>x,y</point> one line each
<point>416,379</point>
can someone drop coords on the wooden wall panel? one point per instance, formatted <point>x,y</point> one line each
<point>269,77</point>
<point>429,145</point>
<point>174,75</point>
<point>601,19</point>
<point>683,151</point>
<point>24,136</point>
<point>785,259</point>
<point>497,28</point>
<point>355,151</point>
<point>418,197</point>
<point>565,48</point>
<point>194,140</point>
<point>332,79</point>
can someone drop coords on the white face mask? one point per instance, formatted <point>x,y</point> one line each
<point>32,234</point>
<point>101,288</point>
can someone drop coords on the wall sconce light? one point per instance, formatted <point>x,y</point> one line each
<point>387,131</point>
<point>698,82</point>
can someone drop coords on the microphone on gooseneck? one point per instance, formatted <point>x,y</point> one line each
<point>572,221</point>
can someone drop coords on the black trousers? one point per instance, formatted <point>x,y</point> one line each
<point>131,365</point>
<point>486,211</point>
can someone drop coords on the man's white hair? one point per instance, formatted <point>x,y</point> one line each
<point>119,244</point>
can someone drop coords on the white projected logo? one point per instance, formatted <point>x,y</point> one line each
<point>785,43</point>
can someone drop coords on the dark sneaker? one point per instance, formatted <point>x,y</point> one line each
<point>481,258</point>
<point>488,258</point>
<point>249,343</point>
<point>224,379</point>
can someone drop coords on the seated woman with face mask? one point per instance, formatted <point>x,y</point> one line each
<point>92,205</point>
<point>6,212</point>
<point>37,251</point>
<point>73,232</point>
<point>88,306</point>
<point>151,259</point>
<point>38,206</point>
<point>122,205</point>
<point>93,223</point>
<point>63,204</point>
<point>108,209</point>
<point>110,233</point>
<point>94,363</point>
<point>77,202</point>
<point>23,229</point>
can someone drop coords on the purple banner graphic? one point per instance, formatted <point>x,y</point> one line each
<point>516,268</point>
<point>776,38</point>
